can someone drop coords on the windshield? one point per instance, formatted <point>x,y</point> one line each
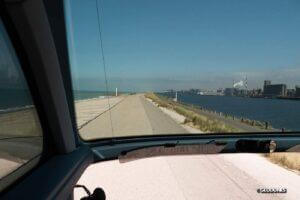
<point>174,67</point>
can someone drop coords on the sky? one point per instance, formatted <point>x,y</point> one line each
<point>170,44</point>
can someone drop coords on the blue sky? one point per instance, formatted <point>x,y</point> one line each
<point>156,45</point>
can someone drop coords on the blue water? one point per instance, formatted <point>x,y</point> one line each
<point>18,98</point>
<point>80,95</point>
<point>14,98</point>
<point>280,113</point>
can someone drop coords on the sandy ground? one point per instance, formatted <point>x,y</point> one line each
<point>230,176</point>
<point>20,139</point>
<point>17,151</point>
<point>127,118</point>
<point>87,110</point>
<point>20,123</point>
<point>133,116</point>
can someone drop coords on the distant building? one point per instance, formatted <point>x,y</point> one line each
<point>170,91</point>
<point>267,82</point>
<point>290,92</point>
<point>193,91</point>
<point>274,90</point>
<point>220,90</point>
<point>297,92</point>
<point>242,92</point>
<point>255,92</point>
<point>229,91</point>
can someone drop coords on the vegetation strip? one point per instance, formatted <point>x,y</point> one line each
<point>290,160</point>
<point>203,123</point>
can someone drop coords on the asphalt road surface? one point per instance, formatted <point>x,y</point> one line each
<point>133,116</point>
<point>231,176</point>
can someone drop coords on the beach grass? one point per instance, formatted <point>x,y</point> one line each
<point>290,160</point>
<point>196,120</point>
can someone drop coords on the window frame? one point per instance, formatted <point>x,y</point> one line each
<point>36,41</point>
<point>23,170</point>
<point>34,87</point>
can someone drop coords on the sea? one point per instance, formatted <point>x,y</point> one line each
<point>16,99</point>
<point>81,95</point>
<point>278,112</point>
<point>12,99</point>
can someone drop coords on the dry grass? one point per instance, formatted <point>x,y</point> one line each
<point>157,100</point>
<point>256,123</point>
<point>289,160</point>
<point>204,123</point>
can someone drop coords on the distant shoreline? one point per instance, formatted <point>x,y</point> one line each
<point>15,109</point>
<point>76,100</point>
<point>25,107</point>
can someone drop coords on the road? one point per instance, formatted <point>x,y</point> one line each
<point>133,116</point>
<point>87,110</point>
<point>230,176</point>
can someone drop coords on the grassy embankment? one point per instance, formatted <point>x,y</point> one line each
<point>203,123</point>
<point>206,124</point>
<point>250,122</point>
<point>289,160</point>
<point>254,123</point>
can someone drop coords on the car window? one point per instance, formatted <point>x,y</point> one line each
<point>172,67</point>
<point>21,135</point>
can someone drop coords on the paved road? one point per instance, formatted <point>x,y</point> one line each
<point>160,122</point>
<point>133,116</point>
<point>87,110</point>
<point>231,176</point>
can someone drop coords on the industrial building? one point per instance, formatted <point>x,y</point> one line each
<point>274,90</point>
<point>297,92</point>
<point>229,91</point>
